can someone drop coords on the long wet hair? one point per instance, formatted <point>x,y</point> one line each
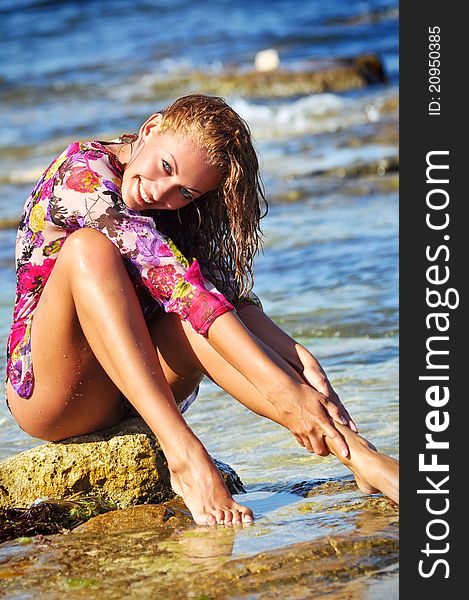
<point>227,235</point>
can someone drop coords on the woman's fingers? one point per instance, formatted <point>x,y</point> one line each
<point>334,411</point>
<point>299,439</point>
<point>317,378</point>
<point>305,442</point>
<point>339,441</point>
<point>310,419</point>
<point>319,446</point>
<point>344,415</point>
<point>315,444</point>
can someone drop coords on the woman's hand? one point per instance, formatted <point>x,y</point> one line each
<point>298,357</point>
<point>314,374</point>
<point>299,406</point>
<point>303,410</point>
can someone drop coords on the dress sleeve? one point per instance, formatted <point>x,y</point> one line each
<point>87,193</point>
<point>231,291</point>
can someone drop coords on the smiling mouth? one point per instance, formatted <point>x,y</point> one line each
<point>143,196</point>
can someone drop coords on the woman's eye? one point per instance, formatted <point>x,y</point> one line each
<point>167,167</point>
<point>187,194</point>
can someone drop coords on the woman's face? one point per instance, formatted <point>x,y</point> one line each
<point>166,171</point>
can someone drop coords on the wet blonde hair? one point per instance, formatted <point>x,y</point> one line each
<point>227,236</point>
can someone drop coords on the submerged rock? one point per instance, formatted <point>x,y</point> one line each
<point>158,552</point>
<point>123,465</point>
<point>165,563</point>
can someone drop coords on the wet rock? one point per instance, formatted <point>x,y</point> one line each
<point>370,16</point>
<point>310,489</point>
<point>379,504</point>
<point>138,518</point>
<point>390,105</point>
<point>387,134</point>
<point>47,517</point>
<point>149,552</point>
<point>9,223</point>
<point>123,465</point>
<point>379,167</point>
<point>324,75</point>
<point>193,563</point>
<point>309,565</point>
<point>373,184</point>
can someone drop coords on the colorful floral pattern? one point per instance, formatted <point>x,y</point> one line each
<point>81,188</point>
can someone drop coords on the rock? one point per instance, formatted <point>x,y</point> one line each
<point>164,563</point>
<point>331,75</point>
<point>9,223</point>
<point>359,169</point>
<point>267,60</point>
<point>370,16</point>
<point>138,518</point>
<point>123,465</point>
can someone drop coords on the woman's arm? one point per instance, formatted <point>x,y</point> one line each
<point>85,194</point>
<point>301,407</point>
<point>295,354</point>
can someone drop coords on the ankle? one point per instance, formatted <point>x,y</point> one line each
<point>182,458</point>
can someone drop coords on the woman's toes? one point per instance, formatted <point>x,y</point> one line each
<point>205,519</point>
<point>219,516</point>
<point>247,515</point>
<point>237,517</point>
<point>228,517</point>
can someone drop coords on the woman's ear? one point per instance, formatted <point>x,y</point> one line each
<point>150,126</point>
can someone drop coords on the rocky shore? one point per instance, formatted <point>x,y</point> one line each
<point>318,76</point>
<point>123,466</point>
<point>156,551</point>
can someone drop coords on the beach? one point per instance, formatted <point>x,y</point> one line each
<point>328,274</point>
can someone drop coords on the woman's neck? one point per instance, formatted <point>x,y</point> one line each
<point>122,151</point>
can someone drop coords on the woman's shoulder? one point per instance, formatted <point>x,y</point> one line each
<point>84,167</point>
<point>88,155</point>
<point>91,153</point>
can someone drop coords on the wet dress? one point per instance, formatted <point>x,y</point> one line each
<point>82,188</point>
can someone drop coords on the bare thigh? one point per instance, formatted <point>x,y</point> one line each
<point>72,394</point>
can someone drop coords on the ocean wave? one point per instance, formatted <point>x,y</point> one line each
<point>317,113</point>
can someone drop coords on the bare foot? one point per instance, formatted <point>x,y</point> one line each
<point>205,494</point>
<point>374,472</point>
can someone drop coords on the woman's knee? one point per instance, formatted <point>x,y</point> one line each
<point>89,249</point>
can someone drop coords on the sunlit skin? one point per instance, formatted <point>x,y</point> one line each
<point>165,171</point>
<point>98,354</point>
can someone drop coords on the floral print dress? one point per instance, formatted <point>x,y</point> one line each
<point>82,188</point>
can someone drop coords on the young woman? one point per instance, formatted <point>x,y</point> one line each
<point>119,250</point>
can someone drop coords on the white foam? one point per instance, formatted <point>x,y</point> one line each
<point>23,177</point>
<point>317,113</point>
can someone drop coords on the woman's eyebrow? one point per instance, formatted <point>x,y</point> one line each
<point>176,169</point>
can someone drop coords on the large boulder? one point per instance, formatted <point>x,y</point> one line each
<point>123,465</point>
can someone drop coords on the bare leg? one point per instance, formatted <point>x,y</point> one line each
<point>174,338</point>
<point>90,341</point>
<point>374,472</point>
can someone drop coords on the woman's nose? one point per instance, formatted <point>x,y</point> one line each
<point>160,190</point>
<point>167,194</point>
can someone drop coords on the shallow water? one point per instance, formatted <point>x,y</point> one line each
<point>356,559</point>
<point>328,274</point>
